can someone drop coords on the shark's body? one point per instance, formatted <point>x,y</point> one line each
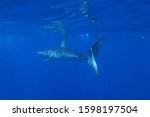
<point>65,53</point>
<point>62,53</point>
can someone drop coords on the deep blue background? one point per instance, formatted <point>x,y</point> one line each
<point>124,58</point>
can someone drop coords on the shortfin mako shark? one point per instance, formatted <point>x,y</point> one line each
<point>63,52</point>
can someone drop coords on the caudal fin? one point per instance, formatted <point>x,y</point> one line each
<point>93,54</point>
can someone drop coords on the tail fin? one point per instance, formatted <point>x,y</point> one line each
<point>93,54</point>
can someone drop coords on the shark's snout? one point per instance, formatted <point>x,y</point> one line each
<point>42,53</point>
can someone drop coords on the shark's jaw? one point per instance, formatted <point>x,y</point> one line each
<point>48,54</point>
<point>51,53</point>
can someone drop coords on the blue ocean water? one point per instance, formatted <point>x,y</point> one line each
<point>28,26</point>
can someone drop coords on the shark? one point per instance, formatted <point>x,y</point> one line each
<point>62,52</point>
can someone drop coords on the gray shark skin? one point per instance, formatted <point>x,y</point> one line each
<point>64,53</point>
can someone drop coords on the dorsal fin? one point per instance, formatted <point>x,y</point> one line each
<point>63,43</point>
<point>61,28</point>
<point>63,31</point>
